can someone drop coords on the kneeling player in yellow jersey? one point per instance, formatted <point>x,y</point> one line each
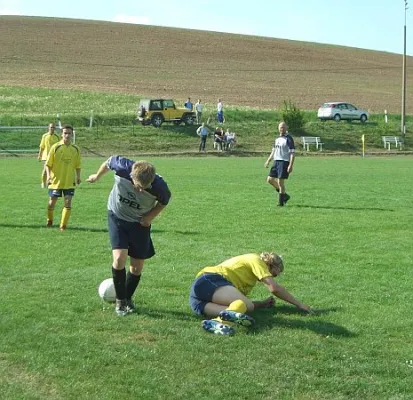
<point>63,173</point>
<point>219,293</point>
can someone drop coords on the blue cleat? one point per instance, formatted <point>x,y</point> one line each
<point>216,327</point>
<point>236,317</point>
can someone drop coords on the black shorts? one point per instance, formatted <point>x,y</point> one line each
<point>279,169</point>
<point>130,235</point>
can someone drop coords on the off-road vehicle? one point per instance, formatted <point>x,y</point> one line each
<point>158,111</point>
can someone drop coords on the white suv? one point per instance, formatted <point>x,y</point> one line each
<point>338,110</point>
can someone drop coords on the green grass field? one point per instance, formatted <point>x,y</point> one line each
<point>346,240</point>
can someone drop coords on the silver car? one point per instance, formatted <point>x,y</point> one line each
<point>338,110</point>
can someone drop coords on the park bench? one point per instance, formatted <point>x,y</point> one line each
<point>389,140</point>
<point>307,140</point>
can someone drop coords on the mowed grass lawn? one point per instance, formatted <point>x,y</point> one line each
<point>346,238</point>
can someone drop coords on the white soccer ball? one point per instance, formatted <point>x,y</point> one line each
<point>107,290</point>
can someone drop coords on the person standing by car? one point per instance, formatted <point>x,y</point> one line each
<point>283,154</point>
<point>188,104</point>
<point>199,107</point>
<point>220,111</point>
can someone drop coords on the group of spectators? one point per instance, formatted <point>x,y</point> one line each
<point>199,108</point>
<point>222,140</point>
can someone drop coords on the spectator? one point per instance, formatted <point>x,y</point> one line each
<point>188,104</point>
<point>219,138</point>
<point>230,140</point>
<point>199,107</point>
<point>202,132</point>
<point>220,112</point>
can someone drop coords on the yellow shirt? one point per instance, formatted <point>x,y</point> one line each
<point>63,160</point>
<point>48,140</point>
<point>242,271</point>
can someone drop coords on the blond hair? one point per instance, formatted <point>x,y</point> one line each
<point>273,260</point>
<point>143,173</point>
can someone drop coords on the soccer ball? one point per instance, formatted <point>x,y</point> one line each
<point>107,290</point>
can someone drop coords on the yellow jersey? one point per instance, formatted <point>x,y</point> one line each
<point>242,271</point>
<point>63,161</point>
<point>48,140</point>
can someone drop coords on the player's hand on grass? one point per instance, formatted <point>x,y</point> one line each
<point>269,302</point>
<point>307,309</point>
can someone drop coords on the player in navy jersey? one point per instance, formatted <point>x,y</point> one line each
<point>137,197</point>
<point>283,154</point>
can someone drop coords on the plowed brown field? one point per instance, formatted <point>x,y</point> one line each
<point>154,61</point>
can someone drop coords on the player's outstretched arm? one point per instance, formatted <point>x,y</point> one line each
<point>103,169</point>
<point>282,293</point>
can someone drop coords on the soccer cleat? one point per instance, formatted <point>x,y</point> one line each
<point>49,223</point>
<point>213,326</point>
<point>62,228</point>
<point>236,317</point>
<point>130,306</point>
<point>286,198</point>
<point>121,308</point>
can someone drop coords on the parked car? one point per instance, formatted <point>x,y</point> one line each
<point>338,110</point>
<point>158,111</point>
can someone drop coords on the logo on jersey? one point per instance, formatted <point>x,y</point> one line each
<point>130,200</point>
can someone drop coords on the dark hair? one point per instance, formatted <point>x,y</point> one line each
<point>67,126</point>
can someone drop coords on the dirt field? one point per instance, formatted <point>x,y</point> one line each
<point>152,61</point>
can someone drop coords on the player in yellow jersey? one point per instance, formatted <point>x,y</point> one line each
<point>63,167</point>
<point>48,140</point>
<point>220,293</point>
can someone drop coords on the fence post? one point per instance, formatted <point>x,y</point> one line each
<point>385,116</point>
<point>91,119</point>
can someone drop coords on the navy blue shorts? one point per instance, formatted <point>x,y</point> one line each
<point>202,290</point>
<point>61,192</point>
<point>279,169</point>
<point>130,235</point>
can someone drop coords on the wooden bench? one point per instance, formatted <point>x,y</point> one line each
<point>307,140</point>
<point>389,140</point>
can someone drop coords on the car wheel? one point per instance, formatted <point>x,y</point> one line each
<point>337,117</point>
<point>157,120</point>
<point>363,118</point>
<point>188,119</point>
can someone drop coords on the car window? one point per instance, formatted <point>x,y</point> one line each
<point>351,107</point>
<point>156,105</point>
<point>168,103</point>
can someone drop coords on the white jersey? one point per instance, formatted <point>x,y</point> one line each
<point>283,146</point>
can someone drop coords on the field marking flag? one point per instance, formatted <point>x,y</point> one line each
<point>363,141</point>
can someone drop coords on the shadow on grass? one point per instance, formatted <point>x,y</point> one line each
<point>164,314</point>
<point>343,208</point>
<point>271,318</point>
<point>86,229</point>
